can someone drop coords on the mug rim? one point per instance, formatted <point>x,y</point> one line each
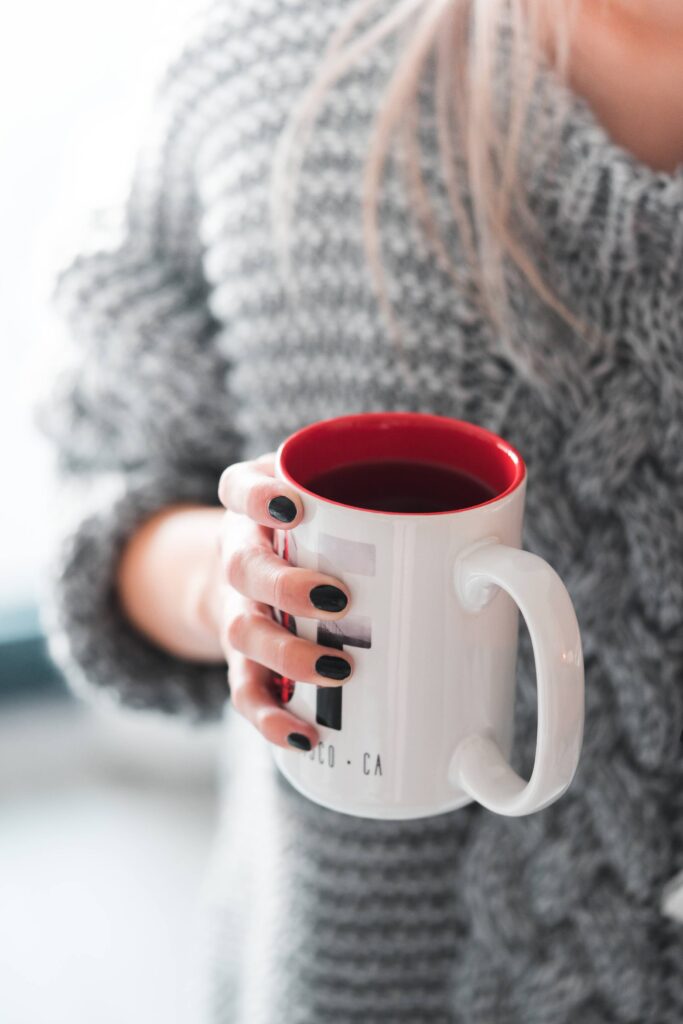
<point>462,427</point>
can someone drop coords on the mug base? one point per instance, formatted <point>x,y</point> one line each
<point>384,812</point>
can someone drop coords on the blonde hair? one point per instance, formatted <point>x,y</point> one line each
<point>462,38</point>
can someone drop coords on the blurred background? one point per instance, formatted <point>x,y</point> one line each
<point>105,820</point>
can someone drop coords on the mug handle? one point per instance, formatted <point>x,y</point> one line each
<point>478,765</point>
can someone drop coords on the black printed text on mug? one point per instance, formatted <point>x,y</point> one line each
<point>324,753</point>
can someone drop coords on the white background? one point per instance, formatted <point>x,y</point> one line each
<point>105,822</point>
<point>76,79</point>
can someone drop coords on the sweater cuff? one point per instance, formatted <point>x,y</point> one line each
<point>100,652</point>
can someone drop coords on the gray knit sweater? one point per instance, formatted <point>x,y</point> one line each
<point>188,354</point>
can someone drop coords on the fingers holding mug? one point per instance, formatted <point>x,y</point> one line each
<point>259,636</point>
<point>253,691</point>
<point>251,488</point>
<point>252,568</point>
<point>253,696</point>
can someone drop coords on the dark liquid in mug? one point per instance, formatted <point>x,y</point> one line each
<point>397,485</point>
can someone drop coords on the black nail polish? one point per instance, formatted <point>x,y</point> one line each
<point>298,740</point>
<point>282,509</point>
<point>328,599</point>
<point>333,668</point>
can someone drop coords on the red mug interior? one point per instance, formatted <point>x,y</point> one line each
<point>420,437</point>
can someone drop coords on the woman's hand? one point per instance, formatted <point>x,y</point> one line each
<point>252,580</point>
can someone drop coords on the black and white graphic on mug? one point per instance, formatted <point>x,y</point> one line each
<point>353,556</point>
<point>358,558</point>
<point>352,631</point>
<point>334,554</point>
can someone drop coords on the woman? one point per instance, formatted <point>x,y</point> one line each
<point>470,209</point>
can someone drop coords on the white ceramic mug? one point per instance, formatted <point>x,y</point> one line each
<point>425,723</point>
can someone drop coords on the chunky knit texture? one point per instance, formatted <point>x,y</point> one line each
<point>188,354</point>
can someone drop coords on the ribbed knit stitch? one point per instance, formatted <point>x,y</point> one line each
<point>188,354</point>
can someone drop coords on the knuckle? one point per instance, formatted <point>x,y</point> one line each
<point>237,629</point>
<point>284,577</point>
<point>280,651</point>
<point>237,567</point>
<point>226,479</point>
<point>260,493</point>
<point>232,567</point>
<point>240,699</point>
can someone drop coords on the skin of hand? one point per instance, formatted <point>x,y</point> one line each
<point>248,581</point>
<point>202,583</point>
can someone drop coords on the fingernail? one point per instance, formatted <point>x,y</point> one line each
<point>282,508</point>
<point>333,668</point>
<point>298,740</point>
<point>328,599</point>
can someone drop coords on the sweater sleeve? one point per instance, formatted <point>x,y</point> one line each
<point>137,413</point>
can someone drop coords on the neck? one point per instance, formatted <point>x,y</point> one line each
<point>664,14</point>
<point>629,66</point>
